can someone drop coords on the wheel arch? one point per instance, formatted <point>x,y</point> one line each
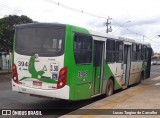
<point>110,91</point>
<point>142,75</point>
<point>113,79</point>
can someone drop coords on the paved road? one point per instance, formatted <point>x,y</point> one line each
<point>14,100</point>
<point>155,71</point>
<point>141,101</point>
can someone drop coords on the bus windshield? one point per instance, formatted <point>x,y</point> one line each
<point>44,41</point>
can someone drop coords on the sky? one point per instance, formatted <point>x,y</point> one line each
<point>135,19</point>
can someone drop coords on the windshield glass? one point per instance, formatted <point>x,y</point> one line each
<point>44,41</point>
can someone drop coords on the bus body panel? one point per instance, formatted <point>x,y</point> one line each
<point>35,73</point>
<point>79,76</point>
<point>38,70</point>
<point>56,93</point>
<point>117,71</point>
<point>109,72</point>
<point>39,75</point>
<point>135,72</point>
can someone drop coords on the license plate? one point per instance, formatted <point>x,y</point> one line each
<point>36,83</point>
<point>23,89</point>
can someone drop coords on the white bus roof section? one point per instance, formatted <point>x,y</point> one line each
<point>98,38</point>
<point>104,36</point>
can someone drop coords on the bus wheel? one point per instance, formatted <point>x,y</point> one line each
<point>110,87</point>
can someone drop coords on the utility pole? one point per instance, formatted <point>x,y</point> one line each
<point>109,28</point>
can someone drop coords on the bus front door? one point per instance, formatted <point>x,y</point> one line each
<point>126,64</point>
<point>98,66</point>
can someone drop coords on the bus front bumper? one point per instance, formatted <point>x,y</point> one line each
<point>62,93</point>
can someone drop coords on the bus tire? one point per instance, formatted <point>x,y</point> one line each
<point>109,87</point>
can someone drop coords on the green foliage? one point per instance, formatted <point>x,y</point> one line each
<point>1,28</point>
<point>7,25</point>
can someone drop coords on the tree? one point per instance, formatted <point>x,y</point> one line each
<point>7,25</point>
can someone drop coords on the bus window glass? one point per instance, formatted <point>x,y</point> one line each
<point>82,49</point>
<point>110,48</point>
<point>142,53</point>
<point>54,43</point>
<point>134,55</point>
<point>46,41</point>
<point>60,44</point>
<point>138,52</point>
<point>119,51</point>
<point>146,54</point>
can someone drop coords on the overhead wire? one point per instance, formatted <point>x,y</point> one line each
<point>74,9</point>
<point>94,15</point>
<point>6,8</point>
<point>144,36</point>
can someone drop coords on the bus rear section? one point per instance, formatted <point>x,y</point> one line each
<point>38,60</point>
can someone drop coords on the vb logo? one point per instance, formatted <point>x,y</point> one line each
<point>6,112</point>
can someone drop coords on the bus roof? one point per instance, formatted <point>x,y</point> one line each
<point>40,25</point>
<point>105,35</point>
<point>94,33</point>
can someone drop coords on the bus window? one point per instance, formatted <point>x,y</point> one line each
<point>46,41</point>
<point>138,52</point>
<point>110,50</point>
<point>82,49</point>
<point>146,53</point>
<point>134,57</point>
<point>119,51</point>
<point>142,52</point>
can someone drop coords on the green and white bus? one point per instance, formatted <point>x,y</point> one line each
<point>69,62</point>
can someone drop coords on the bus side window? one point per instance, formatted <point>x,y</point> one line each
<point>134,54</point>
<point>142,53</point>
<point>82,49</point>
<point>146,53</point>
<point>119,51</point>
<point>138,52</point>
<point>110,50</point>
